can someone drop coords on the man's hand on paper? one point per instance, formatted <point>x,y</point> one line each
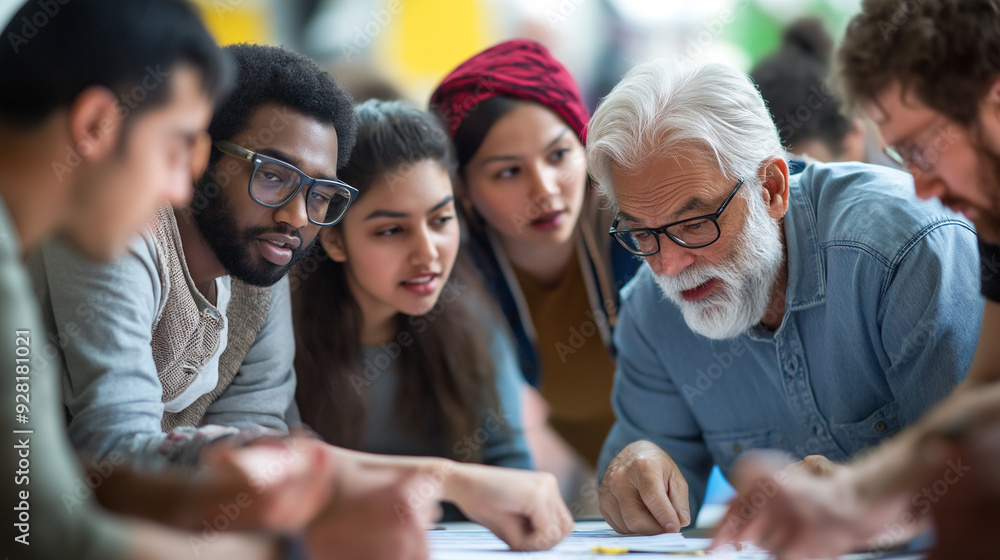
<point>644,492</point>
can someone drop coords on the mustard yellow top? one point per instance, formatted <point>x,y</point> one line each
<point>577,369</point>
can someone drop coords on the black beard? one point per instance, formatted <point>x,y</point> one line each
<point>217,224</point>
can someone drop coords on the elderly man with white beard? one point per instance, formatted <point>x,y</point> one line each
<point>816,311</point>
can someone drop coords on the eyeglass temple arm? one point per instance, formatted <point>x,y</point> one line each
<point>234,150</point>
<point>731,195</point>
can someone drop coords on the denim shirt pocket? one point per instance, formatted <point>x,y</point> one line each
<point>854,437</point>
<point>725,447</point>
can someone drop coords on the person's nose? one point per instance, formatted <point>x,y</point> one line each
<point>672,259</point>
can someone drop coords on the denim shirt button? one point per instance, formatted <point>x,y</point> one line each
<point>737,448</point>
<point>880,426</point>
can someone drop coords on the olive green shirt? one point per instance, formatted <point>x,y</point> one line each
<point>43,483</point>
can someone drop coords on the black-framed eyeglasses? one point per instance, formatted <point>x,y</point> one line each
<point>692,233</point>
<point>273,183</point>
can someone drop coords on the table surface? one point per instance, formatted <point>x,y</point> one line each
<point>469,541</point>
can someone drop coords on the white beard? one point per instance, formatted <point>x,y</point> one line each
<point>745,281</point>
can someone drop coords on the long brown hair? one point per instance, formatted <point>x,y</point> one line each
<point>446,371</point>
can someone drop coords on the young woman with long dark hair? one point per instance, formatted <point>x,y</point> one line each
<point>397,349</point>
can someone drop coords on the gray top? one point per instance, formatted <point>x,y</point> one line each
<point>500,435</point>
<point>100,319</point>
<point>63,518</point>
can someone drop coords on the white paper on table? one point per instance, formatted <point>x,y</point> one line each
<point>471,542</point>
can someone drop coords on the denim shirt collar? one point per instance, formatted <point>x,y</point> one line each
<point>806,277</point>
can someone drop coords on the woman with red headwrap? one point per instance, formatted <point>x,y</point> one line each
<point>537,233</point>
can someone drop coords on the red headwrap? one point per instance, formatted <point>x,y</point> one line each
<point>518,69</point>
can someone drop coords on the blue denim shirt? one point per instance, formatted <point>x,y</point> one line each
<point>881,321</point>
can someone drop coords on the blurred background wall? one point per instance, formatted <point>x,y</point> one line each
<point>411,44</point>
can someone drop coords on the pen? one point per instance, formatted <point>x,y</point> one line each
<point>621,550</point>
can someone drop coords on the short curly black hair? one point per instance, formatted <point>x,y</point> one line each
<point>267,74</point>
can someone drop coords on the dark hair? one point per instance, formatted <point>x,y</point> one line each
<point>267,74</point>
<point>945,52</point>
<point>52,51</point>
<point>793,83</point>
<point>477,124</point>
<point>446,374</point>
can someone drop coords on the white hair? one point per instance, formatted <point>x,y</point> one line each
<point>660,106</point>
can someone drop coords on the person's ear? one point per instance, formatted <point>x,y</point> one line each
<point>989,115</point>
<point>774,180</point>
<point>200,154</point>
<point>95,123</point>
<point>332,241</point>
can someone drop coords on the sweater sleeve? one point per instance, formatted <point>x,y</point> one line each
<point>100,321</point>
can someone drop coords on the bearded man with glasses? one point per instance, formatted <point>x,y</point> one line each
<point>187,338</point>
<point>812,309</point>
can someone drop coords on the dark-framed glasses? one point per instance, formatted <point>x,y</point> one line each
<point>691,233</point>
<point>274,183</point>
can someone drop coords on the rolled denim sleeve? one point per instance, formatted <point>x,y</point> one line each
<point>930,316</point>
<point>647,403</point>
<point>260,395</point>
